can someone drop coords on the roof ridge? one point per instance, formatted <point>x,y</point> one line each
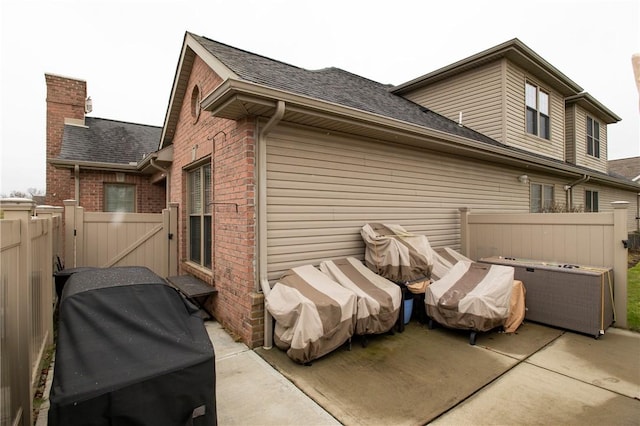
<point>246,51</point>
<point>123,122</point>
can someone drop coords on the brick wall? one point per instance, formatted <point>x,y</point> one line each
<point>65,99</point>
<point>237,305</point>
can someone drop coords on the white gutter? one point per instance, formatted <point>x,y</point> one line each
<point>569,190</point>
<point>262,217</point>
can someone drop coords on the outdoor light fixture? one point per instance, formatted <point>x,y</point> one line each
<point>523,179</point>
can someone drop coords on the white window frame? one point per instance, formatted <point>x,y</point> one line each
<point>127,205</point>
<point>537,111</point>
<point>593,137</point>
<point>199,207</point>
<point>545,199</point>
<point>591,201</point>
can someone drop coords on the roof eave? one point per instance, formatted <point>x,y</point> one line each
<point>94,165</point>
<point>591,104</point>
<point>190,49</point>
<point>235,99</point>
<point>513,50</point>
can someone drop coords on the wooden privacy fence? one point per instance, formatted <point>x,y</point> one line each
<point>29,246</point>
<point>104,240</point>
<point>594,239</point>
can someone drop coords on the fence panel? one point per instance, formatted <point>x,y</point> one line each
<point>594,239</point>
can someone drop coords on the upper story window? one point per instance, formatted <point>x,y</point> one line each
<point>593,137</point>
<point>119,197</point>
<point>537,101</point>
<point>541,198</point>
<point>590,201</point>
<point>199,208</point>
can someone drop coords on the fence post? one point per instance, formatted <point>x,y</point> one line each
<point>464,231</point>
<point>620,261</point>
<point>172,235</point>
<point>47,212</point>
<point>21,209</point>
<point>70,233</point>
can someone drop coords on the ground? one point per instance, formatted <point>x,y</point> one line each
<point>634,258</point>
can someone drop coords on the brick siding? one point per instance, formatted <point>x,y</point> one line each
<point>237,306</point>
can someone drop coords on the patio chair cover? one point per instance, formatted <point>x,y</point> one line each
<point>396,254</point>
<point>314,314</point>
<point>471,296</point>
<point>130,350</point>
<point>378,299</point>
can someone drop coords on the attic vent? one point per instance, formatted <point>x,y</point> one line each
<point>195,103</point>
<point>88,105</point>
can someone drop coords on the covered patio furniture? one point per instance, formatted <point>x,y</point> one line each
<point>314,314</point>
<point>379,300</point>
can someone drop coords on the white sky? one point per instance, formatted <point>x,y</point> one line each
<point>127,52</point>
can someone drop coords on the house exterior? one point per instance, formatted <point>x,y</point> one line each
<point>105,165</point>
<point>275,166</point>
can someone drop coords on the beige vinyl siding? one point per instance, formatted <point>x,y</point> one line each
<point>570,133</point>
<point>582,159</point>
<point>516,126</point>
<point>476,93</point>
<point>606,196</point>
<point>323,188</point>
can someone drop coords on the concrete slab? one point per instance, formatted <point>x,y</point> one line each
<point>250,392</point>
<point>611,362</point>
<point>529,395</point>
<point>410,377</point>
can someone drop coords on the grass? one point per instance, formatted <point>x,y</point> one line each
<point>633,298</point>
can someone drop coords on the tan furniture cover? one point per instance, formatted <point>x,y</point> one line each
<point>471,296</point>
<point>314,314</point>
<point>378,298</point>
<point>396,254</point>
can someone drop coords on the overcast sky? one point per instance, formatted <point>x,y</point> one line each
<point>127,52</point>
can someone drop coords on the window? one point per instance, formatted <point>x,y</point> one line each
<point>537,102</point>
<point>593,137</point>
<point>541,197</point>
<point>119,197</point>
<point>199,207</point>
<point>590,201</point>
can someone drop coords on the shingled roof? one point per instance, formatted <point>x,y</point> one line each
<point>108,141</point>
<point>334,85</point>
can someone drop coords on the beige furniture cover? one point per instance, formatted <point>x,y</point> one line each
<point>314,314</point>
<point>471,296</point>
<point>378,298</point>
<point>396,254</point>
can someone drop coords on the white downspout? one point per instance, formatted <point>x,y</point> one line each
<point>76,176</point>
<point>167,185</point>
<point>262,217</point>
<point>569,190</point>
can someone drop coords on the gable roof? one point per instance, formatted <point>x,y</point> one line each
<point>107,142</point>
<point>513,50</point>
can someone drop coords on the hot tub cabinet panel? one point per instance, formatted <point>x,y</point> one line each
<point>573,297</point>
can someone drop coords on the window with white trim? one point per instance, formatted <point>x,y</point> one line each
<point>537,105</point>
<point>119,197</point>
<point>593,137</point>
<point>199,208</point>
<point>541,197</point>
<point>591,201</point>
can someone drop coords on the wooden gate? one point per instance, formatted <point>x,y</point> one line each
<point>104,240</point>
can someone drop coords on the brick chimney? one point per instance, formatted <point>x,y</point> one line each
<point>66,100</point>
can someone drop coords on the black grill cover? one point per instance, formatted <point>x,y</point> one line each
<point>130,351</point>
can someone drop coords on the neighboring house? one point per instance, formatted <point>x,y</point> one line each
<point>105,165</point>
<point>275,166</point>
